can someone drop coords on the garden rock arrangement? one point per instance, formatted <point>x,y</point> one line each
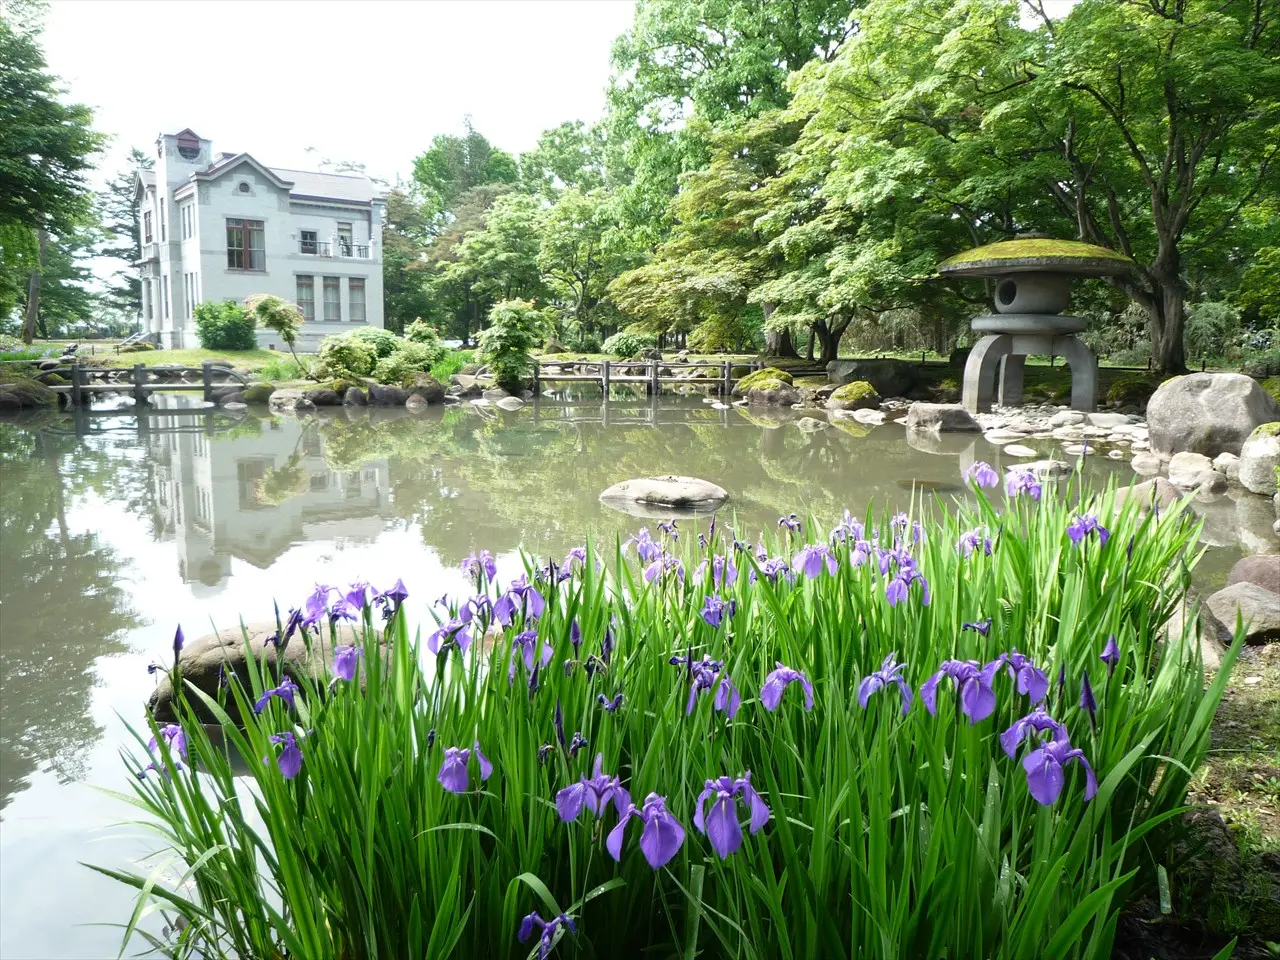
<point>1207,413</point>
<point>1260,459</point>
<point>680,493</point>
<point>941,418</point>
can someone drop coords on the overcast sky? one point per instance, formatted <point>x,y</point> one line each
<point>370,81</point>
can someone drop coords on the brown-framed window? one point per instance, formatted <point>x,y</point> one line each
<point>308,241</point>
<point>332,298</point>
<point>146,227</point>
<point>307,298</point>
<point>344,239</point>
<point>245,245</point>
<point>355,299</point>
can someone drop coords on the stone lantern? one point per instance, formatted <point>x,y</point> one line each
<point>1032,287</point>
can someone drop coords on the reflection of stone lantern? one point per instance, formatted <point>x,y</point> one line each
<point>1033,287</point>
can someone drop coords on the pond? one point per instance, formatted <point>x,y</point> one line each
<point>115,528</point>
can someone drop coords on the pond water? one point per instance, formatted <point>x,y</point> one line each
<point>115,528</point>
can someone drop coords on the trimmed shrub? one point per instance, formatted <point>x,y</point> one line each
<point>223,326</point>
<point>383,342</point>
<point>515,328</point>
<point>409,359</point>
<point>422,332</point>
<point>345,356</point>
<point>623,344</point>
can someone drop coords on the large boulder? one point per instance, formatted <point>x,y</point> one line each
<point>941,418</point>
<point>259,392</point>
<point>891,378</point>
<point>324,397</point>
<point>1207,413</point>
<point>387,396</point>
<point>465,386</point>
<point>1261,571</point>
<point>1257,607</point>
<point>1260,458</point>
<point>671,492</point>
<point>856,395</point>
<point>749,380</point>
<point>20,394</point>
<point>354,397</point>
<point>509,403</point>
<point>773,393</point>
<point>1156,492</point>
<point>285,399</point>
<point>428,388</point>
<point>234,396</point>
<point>204,662</point>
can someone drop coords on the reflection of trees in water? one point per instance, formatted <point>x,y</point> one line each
<point>472,481</point>
<point>60,604</point>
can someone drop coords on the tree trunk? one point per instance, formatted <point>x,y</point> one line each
<point>808,353</point>
<point>777,343</point>
<point>1167,324</point>
<point>829,341</point>
<point>33,291</point>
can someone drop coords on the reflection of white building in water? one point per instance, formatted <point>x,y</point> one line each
<point>254,496</point>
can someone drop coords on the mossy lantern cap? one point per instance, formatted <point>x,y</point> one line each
<point>1071,257</point>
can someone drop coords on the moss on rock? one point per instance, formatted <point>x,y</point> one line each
<point>1272,386</point>
<point>753,380</point>
<point>1132,388</point>
<point>1271,429</point>
<point>259,392</point>
<point>26,393</point>
<point>854,396</point>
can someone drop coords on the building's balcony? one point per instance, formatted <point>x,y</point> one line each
<point>339,249</point>
<point>150,251</point>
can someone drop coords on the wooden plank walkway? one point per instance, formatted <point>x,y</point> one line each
<point>653,373</point>
<point>142,381</point>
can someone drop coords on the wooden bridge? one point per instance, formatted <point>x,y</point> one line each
<point>648,373</point>
<point>141,381</point>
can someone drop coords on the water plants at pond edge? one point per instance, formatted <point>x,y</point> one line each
<point>401,810</point>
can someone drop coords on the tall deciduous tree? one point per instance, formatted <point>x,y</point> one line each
<point>453,165</point>
<point>405,269</point>
<point>570,155</point>
<point>581,251</point>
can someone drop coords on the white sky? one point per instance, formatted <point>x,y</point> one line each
<point>370,81</point>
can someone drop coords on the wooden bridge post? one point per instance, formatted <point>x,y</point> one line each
<point>654,373</point>
<point>206,377</point>
<point>604,378</point>
<point>537,377</point>
<point>139,383</point>
<point>728,379</point>
<point>77,383</point>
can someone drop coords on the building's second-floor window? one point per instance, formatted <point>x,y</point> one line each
<point>188,215</point>
<point>344,239</point>
<point>164,284</point>
<point>146,227</point>
<point>146,299</point>
<point>355,300</point>
<point>332,298</point>
<point>245,245</point>
<point>164,223</point>
<point>307,240</point>
<point>307,298</point>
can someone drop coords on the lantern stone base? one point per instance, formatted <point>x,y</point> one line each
<point>994,369</point>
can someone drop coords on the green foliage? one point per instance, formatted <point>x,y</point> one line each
<point>122,227</point>
<point>515,328</point>
<point>282,368</point>
<point>1260,285</point>
<point>451,363</point>
<point>145,346</point>
<point>275,314</point>
<point>891,833</point>
<point>1132,388</point>
<point>1272,386</point>
<point>345,355</point>
<point>752,380</point>
<point>1213,328</point>
<point>624,344</point>
<point>225,326</point>
<point>382,342</point>
<point>453,165</point>
<point>409,358</point>
<point>422,332</point>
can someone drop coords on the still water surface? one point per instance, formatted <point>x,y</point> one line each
<point>114,529</point>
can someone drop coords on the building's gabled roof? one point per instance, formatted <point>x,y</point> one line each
<point>215,170</point>
<point>328,186</point>
<point>142,179</point>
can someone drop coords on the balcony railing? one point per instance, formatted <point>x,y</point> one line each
<point>341,249</point>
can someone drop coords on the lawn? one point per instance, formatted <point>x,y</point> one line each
<point>249,359</point>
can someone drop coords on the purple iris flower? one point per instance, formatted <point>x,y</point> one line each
<point>610,706</point>
<point>661,837</point>
<point>1083,525</point>
<point>977,626</point>
<point>702,541</point>
<point>431,738</point>
<point>315,606</point>
<point>669,528</point>
<point>606,644</point>
<point>396,595</point>
<point>890,672</point>
<point>723,571</point>
<point>1020,481</point>
<point>1062,681</point>
<point>972,541</point>
<point>548,930</point>
<point>178,641</point>
<point>714,609</point>
<point>344,661</point>
<point>527,643</point>
<point>456,630</point>
<point>504,609</point>
<point>358,596</point>
<point>285,692</point>
<point>810,560</point>
<point>896,590</point>
<point>982,474</point>
<point>175,739</point>
<point>776,683</point>
<point>1029,679</point>
<point>545,751</point>
<point>290,759</point>
<point>972,680</point>
<point>646,548</point>
<point>575,636</point>
<point>1087,701</point>
<point>576,555</point>
<point>774,568</point>
<point>454,775</point>
<point>1035,722</point>
<point>720,824</point>
<point>557,721</point>
<point>791,522</point>
<point>1110,655</point>
<point>707,674</point>
<point>1045,768</point>
<point>290,628</point>
<point>663,565</point>
<point>531,600</point>
<point>576,743</point>
<point>478,563</point>
<point>847,529</point>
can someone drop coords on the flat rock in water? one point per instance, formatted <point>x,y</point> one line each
<point>1157,492</point>
<point>1046,469</point>
<point>1018,450</point>
<point>870,417</point>
<point>1108,420</point>
<point>941,418</point>
<point>811,424</point>
<point>1147,464</point>
<point>1002,435</point>
<point>235,405</point>
<point>671,492</point>
<point>510,403</point>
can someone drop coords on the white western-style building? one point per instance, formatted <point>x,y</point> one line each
<point>226,227</point>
